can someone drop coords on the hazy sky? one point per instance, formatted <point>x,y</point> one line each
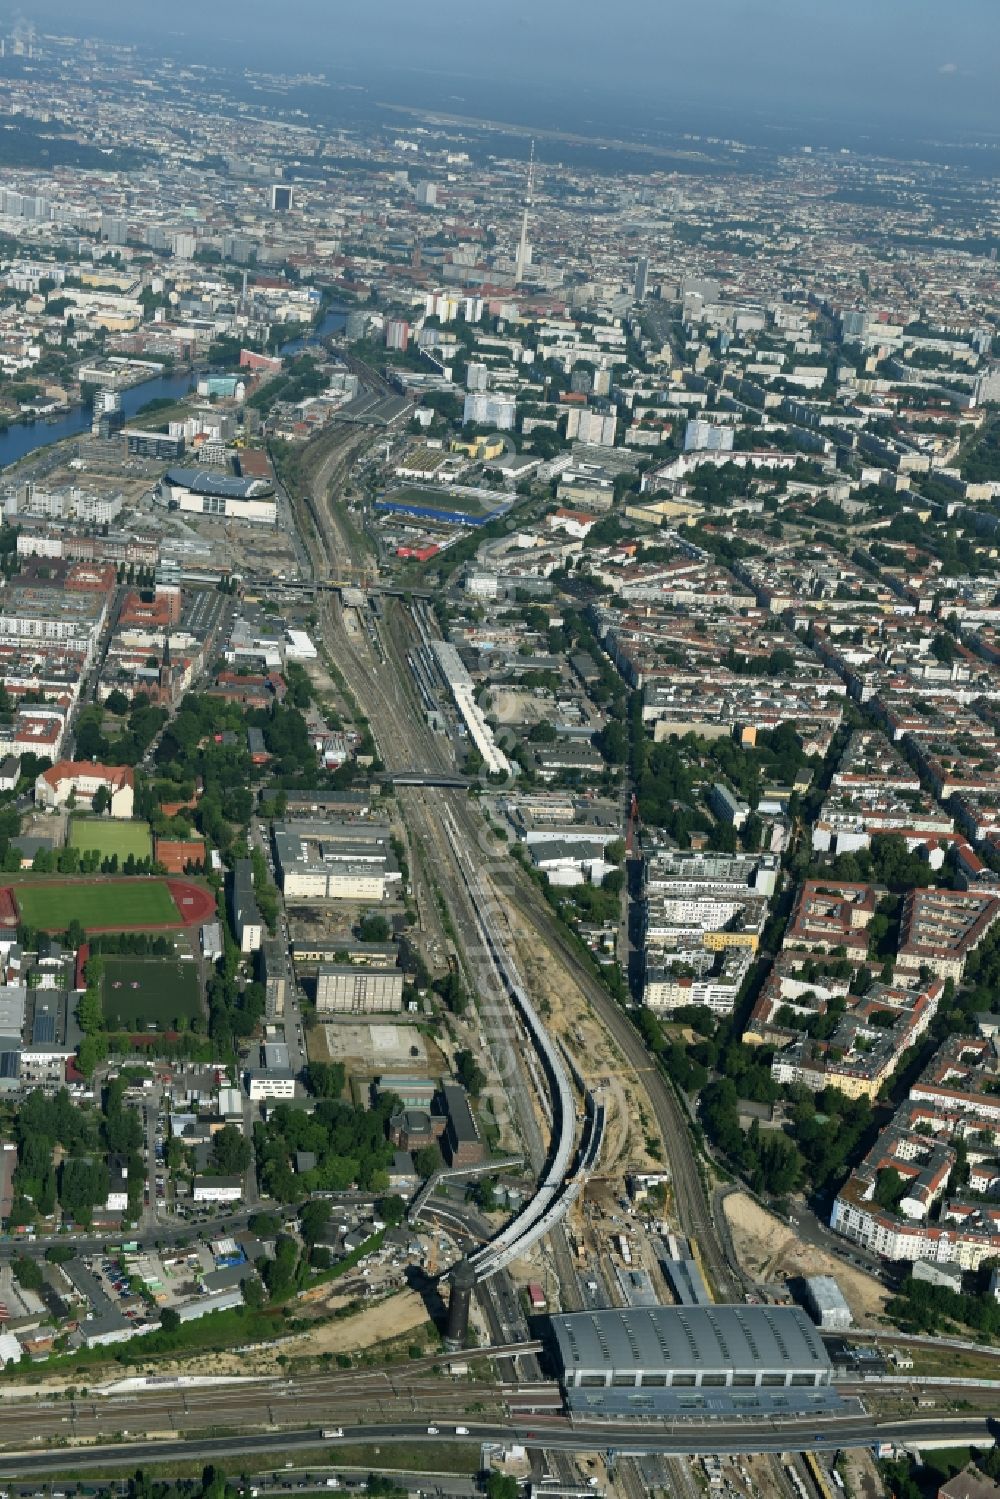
<point>921,65</point>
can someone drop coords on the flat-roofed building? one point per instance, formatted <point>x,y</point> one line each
<point>827,1303</point>
<point>213,493</point>
<point>32,611</point>
<point>8,1165</point>
<point>217,1188</point>
<point>412,1092</point>
<point>342,988</point>
<point>210,937</point>
<point>248,923</point>
<point>462,1142</point>
<point>153,444</point>
<point>270,1082</point>
<point>333,861</point>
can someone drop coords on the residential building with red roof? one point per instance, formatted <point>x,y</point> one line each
<point>83,778</point>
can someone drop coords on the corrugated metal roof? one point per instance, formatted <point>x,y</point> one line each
<point>690,1339</point>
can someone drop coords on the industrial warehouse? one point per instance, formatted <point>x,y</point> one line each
<point>330,860</point>
<point>718,1359</point>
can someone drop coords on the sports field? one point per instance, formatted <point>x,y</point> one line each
<point>442,499</point>
<point>111,835</point>
<point>141,994</point>
<point>98,905</point>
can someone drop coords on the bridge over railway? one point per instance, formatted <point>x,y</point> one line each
<point>450,780</point>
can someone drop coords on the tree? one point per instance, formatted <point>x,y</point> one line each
<point>28,1273</point>
<point>91,1052</point>
<point>102,800</point>
<point>988,1462</point>
<point>313,1220</point>
<point>116,702</point>
<point>944,649</point>
<point>484,1192</point>
<point>889,1188</point>
<point>753,831</point>
<point>82,1184</point>
<point>279,1273</point>
<point>170,1320</point>
<point>373,927</point>
<point>391,1210</point>
<point>542,733</point>
<point>265,1225</point>
<point>612,742</point>
<point>325,1079</point>
<point>231,1151</point>
<point>253,1292</point>
<point>89,1010</point>
<point>427,1161</point>
<point>470,1074</point>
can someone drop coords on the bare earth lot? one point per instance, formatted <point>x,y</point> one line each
<point>769,1250</point>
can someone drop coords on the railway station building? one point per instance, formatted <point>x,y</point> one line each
<point>723,1360</point>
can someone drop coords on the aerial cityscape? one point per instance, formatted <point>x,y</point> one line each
<point>499,754</point>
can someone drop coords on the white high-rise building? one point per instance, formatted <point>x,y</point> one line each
<point>490,409</point>
<point>596,427</point>
<point>707,437</point>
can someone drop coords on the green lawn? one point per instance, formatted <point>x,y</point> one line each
<point>118,905</point>
<point>111,835</point>
<point>141,994</point>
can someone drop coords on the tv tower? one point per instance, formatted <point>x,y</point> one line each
<point>522,246</point>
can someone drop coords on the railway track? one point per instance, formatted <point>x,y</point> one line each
<point>403,737</point>
<point>181,1411</point>
<point>692,1201</point>
<point>693,1205</point>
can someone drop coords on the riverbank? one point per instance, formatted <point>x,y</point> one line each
<point>19,440</point>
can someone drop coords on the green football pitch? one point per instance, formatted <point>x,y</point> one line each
<point>110,835</point>
<point>140,994</point>
<point>98,905</point>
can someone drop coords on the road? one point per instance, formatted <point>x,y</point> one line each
<point>685,1438</point>
<point>90,1243</point>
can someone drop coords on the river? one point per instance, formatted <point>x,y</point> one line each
<point>331,322</point>
<point>22,438</point>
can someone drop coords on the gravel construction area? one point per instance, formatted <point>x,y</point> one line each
<point>631,1123</point>
<point>519,706</point>
<point>377,1047</point>
<point>405,1312</point>
<point>769,1250</point>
